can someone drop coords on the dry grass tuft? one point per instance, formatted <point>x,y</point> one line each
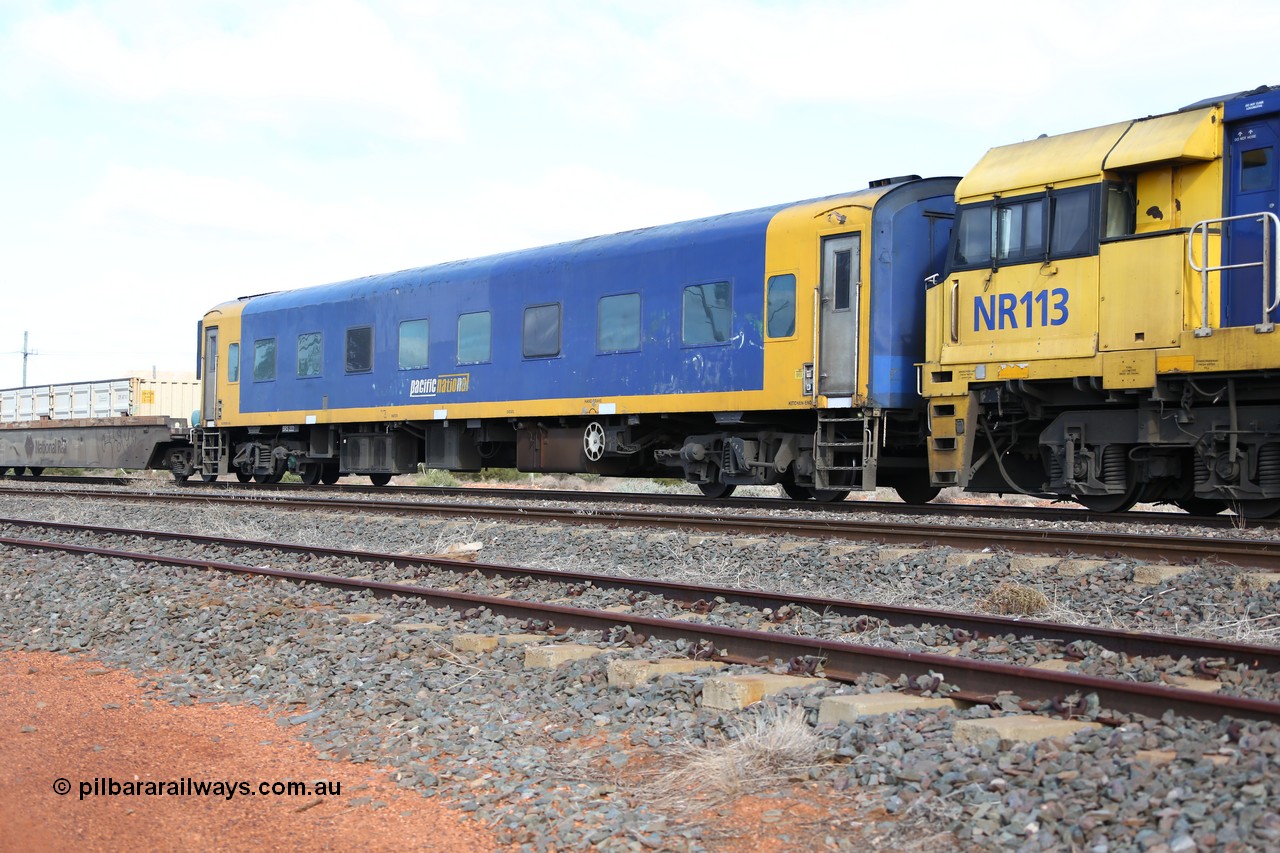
<point>1011,599</point>
<point>782,747</point>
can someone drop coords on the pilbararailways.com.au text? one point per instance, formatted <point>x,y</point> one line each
<point>188,787</point>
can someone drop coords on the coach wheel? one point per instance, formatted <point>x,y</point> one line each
<point>209,478</point>
<point>380,479</point>
<point>274,477</point>
<point>309,473</point>
<point>330,474</point>
<point>796,493</point>
<point>1201,506</point>
<point>1256,510</point>
<point>36,472</point>
<point>1110,503</point>
<point>243,477</point>
<point>915,492</point>
<point>829,496</point>
<point>593,441</point>
<point>717,489</point>
<point>177,478</point>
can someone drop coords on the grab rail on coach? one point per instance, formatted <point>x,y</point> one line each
<point>1270,267</point>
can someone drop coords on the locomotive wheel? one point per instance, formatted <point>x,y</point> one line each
<point>915,492</point>
<point>208,478</point>
<point>242,477</point>
<point>274,477</point>
<point>829,496</point>
<point>309,473</point>
<point>177,478</point>
<point>717,489</point>
<point>36,472</point>
<point>330,474</point>
<point>380,479</point>
<point>1200,506</point>
<point>1255,510</point>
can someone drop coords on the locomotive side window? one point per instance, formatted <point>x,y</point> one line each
<point>1121,211</point>
<point>264,360</point>
<point>780,305</point>
<point>474,337</point>
<point>618,323</point>
<point>1255,170</point>
<point>414,338</point>
<point>310,354</point>
<point>233,363</point>
<point>359,349</point>
<point>973,237</point>
<point>1072,232</point>
<point>541,331</point>
<point>707,313</point>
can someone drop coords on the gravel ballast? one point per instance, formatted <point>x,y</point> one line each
<point>559,759</point>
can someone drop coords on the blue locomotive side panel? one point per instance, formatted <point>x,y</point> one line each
<point>674,271</point>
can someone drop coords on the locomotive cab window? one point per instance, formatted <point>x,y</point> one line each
<point>1051,225</point>
<point>780,306</point>
<point>310,354</point>
<point>707,313</point>
<point>359,349</point>
<point>414,339</point>
<point>233,363</point>
<point>474,337</point>
<point>618,323</point>
<point>541,337</point>
<point>264,360</point>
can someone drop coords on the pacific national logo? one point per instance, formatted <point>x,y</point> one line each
<point>448,383</point>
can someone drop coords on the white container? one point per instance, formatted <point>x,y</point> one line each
<point>108,398</point>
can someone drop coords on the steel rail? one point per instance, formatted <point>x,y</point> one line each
<point>979,681</point>
<point>1253,553</point>
<point>1133,643</point>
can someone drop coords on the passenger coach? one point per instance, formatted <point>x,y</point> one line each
<point>771,346</point>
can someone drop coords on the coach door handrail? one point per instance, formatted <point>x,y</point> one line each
<point>1270,268</point>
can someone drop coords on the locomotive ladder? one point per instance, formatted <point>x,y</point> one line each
<point>845,443</point>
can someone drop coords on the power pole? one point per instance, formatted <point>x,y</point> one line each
<point>27,352</point>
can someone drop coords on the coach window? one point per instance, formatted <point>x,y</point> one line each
<point>310,354</point>
<point>414,337</point>
<point>780,306</point>
<point>233,363</point>
<point>707,314</point>
<point>264,360</point>
<point>359,349</point>
<point>474,337</point>
<point>618,323</point>
<point>541,337</point>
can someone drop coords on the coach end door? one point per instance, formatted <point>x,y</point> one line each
<point>838,312</point>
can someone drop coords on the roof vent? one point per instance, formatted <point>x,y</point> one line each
<point>885,182</point>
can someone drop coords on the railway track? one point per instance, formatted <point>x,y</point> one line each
<point>1066,512</point>
<point>1245,553</point>
<point>978,681</point>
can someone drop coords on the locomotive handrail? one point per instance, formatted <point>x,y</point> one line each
<point>955,312</point>
<point>1270,269</point>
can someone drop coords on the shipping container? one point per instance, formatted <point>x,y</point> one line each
<point>174,396</point>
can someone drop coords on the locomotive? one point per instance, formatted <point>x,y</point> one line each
<point>1087,316</point>
<point>1105,330</point>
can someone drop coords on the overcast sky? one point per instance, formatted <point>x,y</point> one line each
<point>159,157</point>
